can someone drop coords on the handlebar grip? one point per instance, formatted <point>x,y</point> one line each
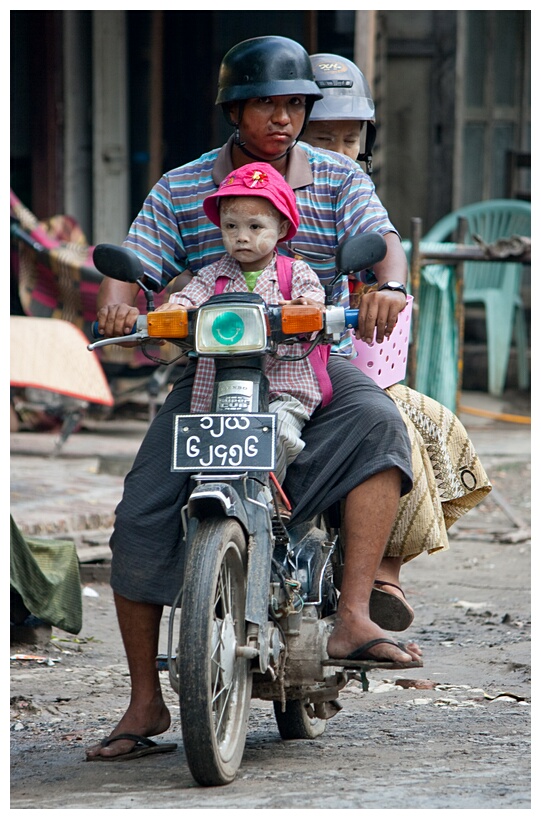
<point>96,333</point>
<point>351,317</point>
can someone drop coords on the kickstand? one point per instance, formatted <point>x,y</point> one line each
<point>363,679</point>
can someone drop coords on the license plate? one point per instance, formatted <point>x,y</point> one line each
<point>220,441</point>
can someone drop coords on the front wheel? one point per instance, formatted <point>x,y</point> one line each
<point>296,722</point>
<point>214,682</point>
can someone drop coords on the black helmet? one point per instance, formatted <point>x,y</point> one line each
<point>346,95</point>
<point>266,67</point>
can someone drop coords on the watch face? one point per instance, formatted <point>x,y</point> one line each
<point>393,286</point>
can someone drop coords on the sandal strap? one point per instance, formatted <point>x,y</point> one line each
<point>386,583</point>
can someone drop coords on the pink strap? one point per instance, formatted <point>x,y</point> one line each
<point>284,269</point>
<point>220,284</point>
<point>319,357</point>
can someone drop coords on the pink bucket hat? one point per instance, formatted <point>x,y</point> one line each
<point>256,179</point>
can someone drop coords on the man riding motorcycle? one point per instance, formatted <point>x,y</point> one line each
<point>356,448</point>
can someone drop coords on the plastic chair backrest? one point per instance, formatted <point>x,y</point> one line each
<point>495,284</point>
<point>491,220</point>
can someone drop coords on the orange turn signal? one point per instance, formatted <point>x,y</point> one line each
<point>169,324</point>
<point>301,318</point>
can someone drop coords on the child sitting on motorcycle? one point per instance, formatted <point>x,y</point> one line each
<point>255,209</point>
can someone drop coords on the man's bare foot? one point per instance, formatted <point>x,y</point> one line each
<point>354,631</point>
<point>147,722</point>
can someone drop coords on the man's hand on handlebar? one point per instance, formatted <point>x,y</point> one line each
<point>379,309</point>
<point>116,311</point>
<point>117,320</point>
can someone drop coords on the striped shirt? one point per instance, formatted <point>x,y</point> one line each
<point>295,378</point>
<point>335,198</point>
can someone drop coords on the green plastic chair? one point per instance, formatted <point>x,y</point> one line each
<point>495,284</point>
<point>436,371</point>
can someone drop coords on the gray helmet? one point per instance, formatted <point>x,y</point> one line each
<point>266,67</point>
<point>346,95</point>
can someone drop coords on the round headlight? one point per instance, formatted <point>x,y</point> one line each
<point>228,328</point>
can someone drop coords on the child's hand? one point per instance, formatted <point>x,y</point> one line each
<point>168,305</point>
<point>301,300</point>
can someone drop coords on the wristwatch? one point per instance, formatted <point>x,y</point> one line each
<point>394,286</point>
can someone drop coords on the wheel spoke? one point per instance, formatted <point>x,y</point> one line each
<point>226,693</point>
<point>221,691</point>
<point>218,687</point>
<point>223,592</point>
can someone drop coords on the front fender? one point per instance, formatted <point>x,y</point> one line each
<point>214,499</point>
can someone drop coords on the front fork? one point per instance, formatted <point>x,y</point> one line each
<point>240,387</point>
<point>247,497</point>
<point>233,496</point>
<point>243,387</point>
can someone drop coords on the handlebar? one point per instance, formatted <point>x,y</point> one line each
<point>337,320</point>
<point>138,333</point>
<point>351,317</point>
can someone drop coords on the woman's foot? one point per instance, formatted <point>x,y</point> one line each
<point>389,607</point>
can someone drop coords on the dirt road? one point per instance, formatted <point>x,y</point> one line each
<point>459,738</point>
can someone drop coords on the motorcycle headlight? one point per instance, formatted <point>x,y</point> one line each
<point>224,330</point>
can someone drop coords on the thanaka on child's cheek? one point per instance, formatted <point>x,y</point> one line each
<point>251,227</point>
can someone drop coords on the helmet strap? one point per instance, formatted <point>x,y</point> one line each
<point>369,144</point>
<point>367,158</point>
<point>236,137</point>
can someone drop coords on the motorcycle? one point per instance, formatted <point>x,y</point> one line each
<point>259,597</point>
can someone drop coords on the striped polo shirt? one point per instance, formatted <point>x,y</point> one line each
<point>335,198</point>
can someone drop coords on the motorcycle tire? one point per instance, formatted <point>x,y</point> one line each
<point>295,722</point>
<point>215,684</point>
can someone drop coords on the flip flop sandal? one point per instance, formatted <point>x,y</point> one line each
<point>362,657</point>
<point>388,610</point>
<point>143,747</point>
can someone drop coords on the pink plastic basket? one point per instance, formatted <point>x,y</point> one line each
<point>386,363</point>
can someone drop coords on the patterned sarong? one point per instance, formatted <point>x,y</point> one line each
<point>448,477</point>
